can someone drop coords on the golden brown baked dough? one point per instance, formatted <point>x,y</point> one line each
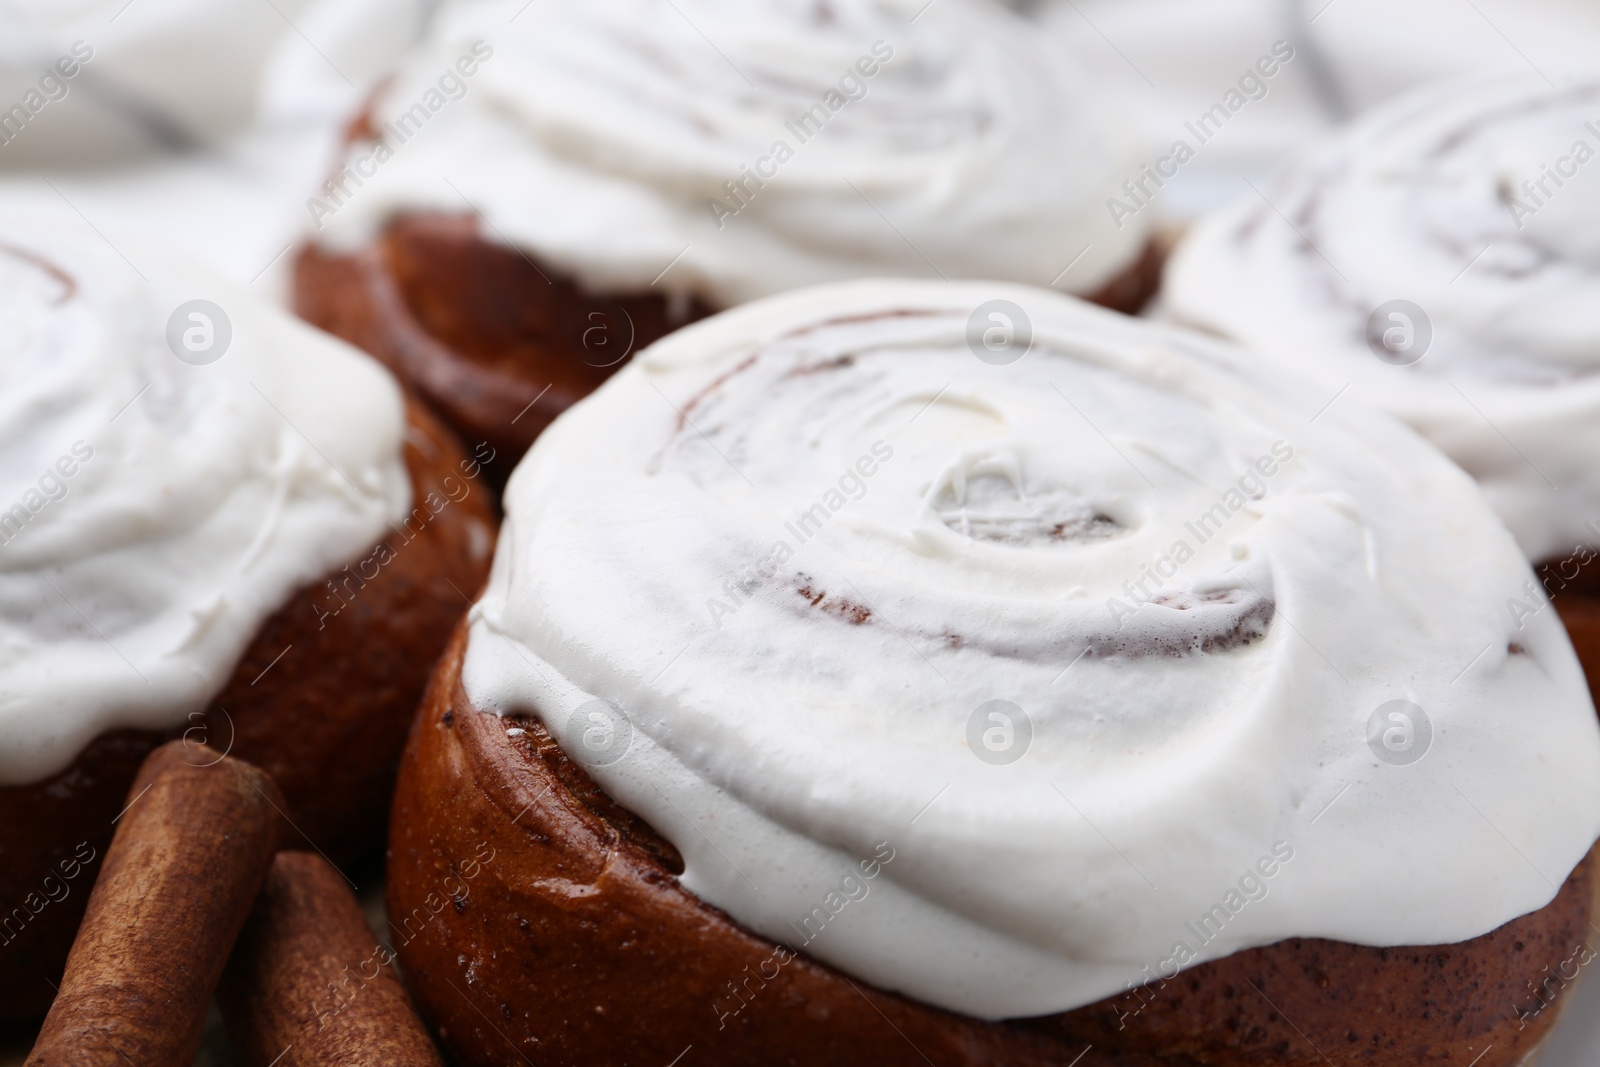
<point>536,918</point>
<point>499,344</point>
<point>327,720</point>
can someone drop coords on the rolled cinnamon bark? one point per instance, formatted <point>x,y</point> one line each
<point>189,856</point>
<point>307,977</point>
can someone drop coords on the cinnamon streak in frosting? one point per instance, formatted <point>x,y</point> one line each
<point>871,685</point>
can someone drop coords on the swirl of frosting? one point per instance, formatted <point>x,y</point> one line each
<point>153,511</point>
<point>731,149</point>
<point>802,549</point>
<point>1442,261</point>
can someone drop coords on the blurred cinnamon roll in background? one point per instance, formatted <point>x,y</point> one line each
<point>202,121</point>
<point>1441,261</point>
<point>544,188</point>
<point>1206,72</point>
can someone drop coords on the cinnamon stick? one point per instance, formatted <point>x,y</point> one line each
<point>189,856</point>
<point>308,986</point>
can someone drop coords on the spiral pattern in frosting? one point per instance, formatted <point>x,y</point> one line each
<point>1479,206</point>
<point>153,511</point>
<point>805,547</point>
<point>752,147</point>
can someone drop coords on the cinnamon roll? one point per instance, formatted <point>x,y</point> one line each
<point>88,83</point>
<point>96,81</point>
<point>1207,72</point>
<point>1442,261</point>
<point>964,672</point>
<point>544,188</point>
<point>217,524</point>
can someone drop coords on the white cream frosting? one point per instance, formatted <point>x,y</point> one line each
<point>1425,202</point>
<point>598,135</point>
<point>977,526</point>
<point>153,512</point>
<point>155,74</point>
<point>1169,61</point>
<point>239,207</point>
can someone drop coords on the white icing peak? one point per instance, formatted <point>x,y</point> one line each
<point>153,512</point>
<point>616,138</point>
<point>803,545</point>
<point>1480,204</point>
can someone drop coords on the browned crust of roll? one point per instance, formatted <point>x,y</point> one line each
<point>327,720</point>
<point>493,341</point>
<point>499,344</point>
<point>573,943</point>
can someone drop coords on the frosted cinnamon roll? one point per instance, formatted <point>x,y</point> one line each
<point>1442,261</point>
<point>1212,74</point>
<point>215,523</point>
<point>544,188</point>
<point>1001,656</point>
<point>95,82</point>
